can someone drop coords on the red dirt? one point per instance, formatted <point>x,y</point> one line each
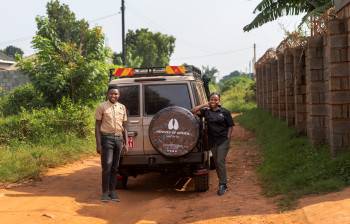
<point>70,194</point>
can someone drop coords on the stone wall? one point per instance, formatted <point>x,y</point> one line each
<point>12,79</point>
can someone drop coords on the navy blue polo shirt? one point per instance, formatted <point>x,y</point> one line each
<point>219,121</point>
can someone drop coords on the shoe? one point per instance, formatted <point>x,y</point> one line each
<point>113,196</point>
<point>105,197</point>
<point>222,189</point>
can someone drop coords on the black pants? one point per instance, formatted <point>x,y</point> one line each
<point>110,155</point>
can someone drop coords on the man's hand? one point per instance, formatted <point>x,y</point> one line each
<point>125,148</point>
<point>98,149</point>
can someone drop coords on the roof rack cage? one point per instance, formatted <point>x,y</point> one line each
<point>159,71</point>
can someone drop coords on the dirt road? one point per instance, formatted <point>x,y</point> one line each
<point>70,195</point>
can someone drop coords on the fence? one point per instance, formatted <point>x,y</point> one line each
<point>308,86</point>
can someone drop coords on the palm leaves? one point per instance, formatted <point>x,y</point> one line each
<point>270,10</point>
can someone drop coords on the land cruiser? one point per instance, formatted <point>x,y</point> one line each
<point>163,135</point>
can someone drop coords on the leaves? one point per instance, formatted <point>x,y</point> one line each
<point>146,49</point>
<point>270,10</point>
<point>71,59</point>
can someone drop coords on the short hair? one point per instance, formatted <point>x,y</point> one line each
<point>112,87</point>
<point>214,94</point>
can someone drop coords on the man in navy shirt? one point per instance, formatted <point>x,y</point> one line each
<point>220,125</point>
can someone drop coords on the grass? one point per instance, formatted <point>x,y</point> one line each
<point>20,160</point>
<point>33,141</point>
<point>291,166</point>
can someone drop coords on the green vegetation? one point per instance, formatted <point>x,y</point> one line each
<point>269,10</point>
<point>146,49</point>
<point>70,59</point>
<point>48,122</point>
<point>12,51</point>
<point>32,141</point>
<point>291,166</point>
<point>23,97</point>
<point>237,93</point>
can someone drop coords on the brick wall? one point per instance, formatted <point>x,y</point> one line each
<point>309,87</point>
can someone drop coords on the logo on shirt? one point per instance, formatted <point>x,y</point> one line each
<point>173,124</point>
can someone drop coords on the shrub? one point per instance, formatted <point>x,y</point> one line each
<point>22,97</point>
<point>37,124</point>
<point>240,95</point>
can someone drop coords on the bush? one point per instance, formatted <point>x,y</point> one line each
<point>291,165</point>
<point>240,96</point>
<point>22,97</point>
<point>44,123</point>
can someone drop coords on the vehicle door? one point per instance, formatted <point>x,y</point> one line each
<point>158,96</point>
<point>130,96</point>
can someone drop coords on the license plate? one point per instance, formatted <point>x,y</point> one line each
<point>131,142</point>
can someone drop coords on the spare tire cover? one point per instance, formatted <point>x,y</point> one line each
<point>174,131</point>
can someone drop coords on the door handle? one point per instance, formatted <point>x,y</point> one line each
<point>134,121</point>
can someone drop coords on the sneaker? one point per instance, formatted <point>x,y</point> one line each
<point>105,197</point>
<point>113,196</point>
<point>222,189</point>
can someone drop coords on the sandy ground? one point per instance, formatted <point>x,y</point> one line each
<point>70,195</point>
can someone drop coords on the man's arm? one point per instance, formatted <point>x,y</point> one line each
<point>98,136</point>
<point>125,138</point>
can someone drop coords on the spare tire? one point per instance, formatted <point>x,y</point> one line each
<point>174,131</point>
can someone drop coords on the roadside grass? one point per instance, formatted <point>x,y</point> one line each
<point>33,141</point>
<point>21,160</point>
<point>291,166</point>
<point>237,107</point>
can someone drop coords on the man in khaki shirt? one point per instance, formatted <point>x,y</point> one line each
<point>111,137</point>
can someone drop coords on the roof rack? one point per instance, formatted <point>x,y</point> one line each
<point>158,71</point>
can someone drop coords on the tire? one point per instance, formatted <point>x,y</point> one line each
<point>201,183</point>
<point>174,131</point>
<point>122,182</point>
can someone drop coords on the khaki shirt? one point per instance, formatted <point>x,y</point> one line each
<point>112,117</point>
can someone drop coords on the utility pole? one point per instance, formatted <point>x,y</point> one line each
<point>254,60</point>
<point>123,34</point>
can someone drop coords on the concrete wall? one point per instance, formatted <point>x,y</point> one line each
<point>12,79</point>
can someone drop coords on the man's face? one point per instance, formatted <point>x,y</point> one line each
<point>113,95</point>
<point>214,101</point>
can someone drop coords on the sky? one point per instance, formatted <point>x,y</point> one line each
<point>207,32</point>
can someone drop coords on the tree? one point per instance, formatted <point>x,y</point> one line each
<point>210,73</point>
<point>232,79</point>
<point>145,49</point>
<point>11,51</point>
<point>70,59</point>
<point>270,10</point>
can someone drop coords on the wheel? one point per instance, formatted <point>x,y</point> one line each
<point>122,182</point>
<point>201,183</point>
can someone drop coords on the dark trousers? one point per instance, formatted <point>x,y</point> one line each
<point>219,151</point>
<point>110,155</point>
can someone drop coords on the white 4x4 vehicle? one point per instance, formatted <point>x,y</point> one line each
<point>163,135</point>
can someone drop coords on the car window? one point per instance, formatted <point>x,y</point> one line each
<point>195,93</point>
<point>129,96</point>
<point>159,96</point>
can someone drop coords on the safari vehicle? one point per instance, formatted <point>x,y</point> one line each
<point>163,135</point>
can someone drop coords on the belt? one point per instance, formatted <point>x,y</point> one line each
<point>111,134</point>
